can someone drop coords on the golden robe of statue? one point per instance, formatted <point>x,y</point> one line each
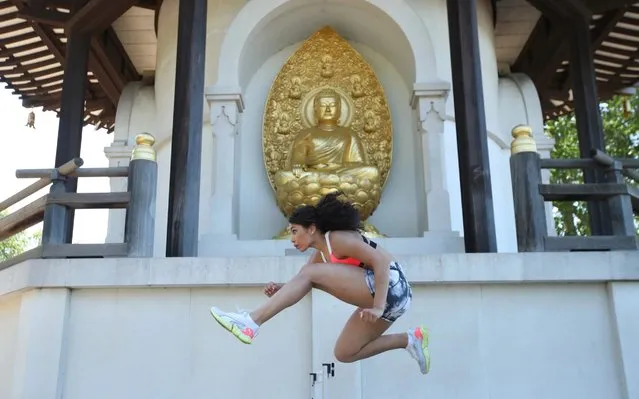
<point>326,158</point>
<point>327,127</point>
<point>328,148</point>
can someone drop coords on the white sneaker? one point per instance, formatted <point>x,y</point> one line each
<point>418,348</point>
<point>239,324</point>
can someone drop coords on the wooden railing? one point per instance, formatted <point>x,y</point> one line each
<point>530,194</point>
<point>56,209</point>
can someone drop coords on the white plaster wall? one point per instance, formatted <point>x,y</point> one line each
<point>499,161</point>
<point>519,104</point>
<point>9,320</point>
<point>487,341</point>
<point>163,343</point>
<point>503,207</point>
<point>220,13</point>
<point>397,214</point>
<point>432,14</point>
<point>136,114</point>
<point>518,341</point>
<point>435,17</point>
<point>502,326</point>
<point>162,199</point>
<point>452,176</point>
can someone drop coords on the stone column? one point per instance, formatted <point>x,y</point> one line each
<point>226,106</point>
<point>429,100</point>
<point>119,155</point>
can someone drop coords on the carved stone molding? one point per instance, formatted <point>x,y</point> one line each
<point>429,100</point>
<point>226,105</point>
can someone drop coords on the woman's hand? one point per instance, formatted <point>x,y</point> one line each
<point>271,288</point>
<point>371,315</point>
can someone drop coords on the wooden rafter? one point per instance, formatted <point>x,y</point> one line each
<point>600,31</point>
<point>565,10</point>
<point>615,50</point>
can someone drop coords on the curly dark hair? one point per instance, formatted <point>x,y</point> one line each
<point>330,214</point>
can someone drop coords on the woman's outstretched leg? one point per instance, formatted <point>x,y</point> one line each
<point>346,283</point>
<point>360,340</point>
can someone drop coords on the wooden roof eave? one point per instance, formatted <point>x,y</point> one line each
<point>614,39</point>
<point>33,43</point>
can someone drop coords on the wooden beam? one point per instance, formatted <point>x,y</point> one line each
<point>598,6</point>
<point>97,15</point>
<point>10,28</point>
<point>84,251</point>
<point>537,59</point>
<point>472,142</point>
<point>599,243</point>
<point>107,59</point>
<point>44,16</point>
<point>582,192</point>
<point>563,10</point>
<point>114,200</point>
<point>20,220</point>
<point>184,176</point>
<point>587,113</point>
<point>603,27</point>
<point>58,220</point>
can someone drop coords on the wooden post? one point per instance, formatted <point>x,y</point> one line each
<point>588,116</point>
<point>140,217</point>
<point>184,183</point>
<point>620,207</point>
<point>470,122</point>
<point>56,227</point>
<point>58,220</point>
<point>530,216</point>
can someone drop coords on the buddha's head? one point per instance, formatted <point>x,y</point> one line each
<point>327,105</point>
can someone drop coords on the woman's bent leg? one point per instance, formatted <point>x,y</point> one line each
<point>360,339</point>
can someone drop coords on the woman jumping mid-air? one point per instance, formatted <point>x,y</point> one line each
<point>353,269</point>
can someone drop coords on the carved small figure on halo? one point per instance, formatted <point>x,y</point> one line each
<point>296,88</point>
<point>283,124</point>
<point>370,121</point>
<point>327,66</point>
<point>358,90</point>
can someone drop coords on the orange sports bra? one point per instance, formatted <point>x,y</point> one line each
<point>346,261</point>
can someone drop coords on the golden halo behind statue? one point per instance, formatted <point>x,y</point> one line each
<point>303,163</point>
<point>307,112</point>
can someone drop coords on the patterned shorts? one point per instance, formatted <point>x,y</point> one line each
<point>399,294</point>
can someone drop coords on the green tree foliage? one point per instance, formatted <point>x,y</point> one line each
<point>17,244</point>
<point>620,117</point>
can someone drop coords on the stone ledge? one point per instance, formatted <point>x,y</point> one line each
<point>502,268</point>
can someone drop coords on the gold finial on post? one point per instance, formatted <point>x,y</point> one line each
<point>524,141</point>
<point>144,147</point>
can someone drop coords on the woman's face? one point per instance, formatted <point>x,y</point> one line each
<point>302,237</point>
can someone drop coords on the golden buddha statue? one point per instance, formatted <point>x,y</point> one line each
<point>327,128</point>
<point>327,157</point>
